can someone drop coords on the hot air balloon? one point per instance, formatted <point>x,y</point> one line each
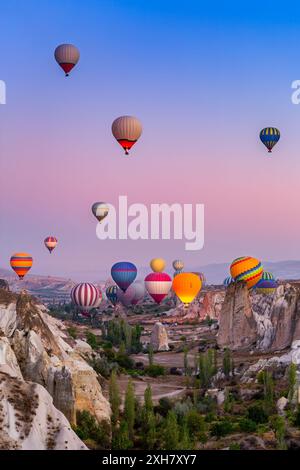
<point>267,284</point>
<point>139,292</point>
<point>157,265</point>
<point>186,286</point>
<point>86,296</point>
<point>246,269</point>
<point>50,243</point>
<point>158,285</point>
<point>100,210</point>
<point>269,137</point>
<point>227,281</point>
<point>112,294</point>
<point>178,265</point>
<point>126,297</point>
<point>126,130</point>
<point>123,273</point>
<point>202,277</point>
<point>21,263</point>
<point>67,56</point>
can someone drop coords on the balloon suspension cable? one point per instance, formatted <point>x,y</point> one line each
<point>126,152</point>
<point>66,75</point>
<point>270,150</point>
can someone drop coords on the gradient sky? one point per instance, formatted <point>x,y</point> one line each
<point>203,77</point>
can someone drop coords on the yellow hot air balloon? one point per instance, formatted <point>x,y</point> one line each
<point>186,286</point>
<point>157,265</point>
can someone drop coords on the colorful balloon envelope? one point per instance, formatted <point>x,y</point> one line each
<point>157,265</point>
<point>186,286</point>
<point>267,284</point>
<point>100,210</point>
<point>246,269</point>
<point>158,285</point>
<point>202,277</point>
<point>269,137</point>
<point>67,56</point>
<point>112,294</point>
<point>227,281</point>
<point>21,263</point>
<point>178,265</point>
<point>126,298</point>
<point>126,130</point>
<point>50,243</point>
<point>123,273</point>
<point>86,296</point>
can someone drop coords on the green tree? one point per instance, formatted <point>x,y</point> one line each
<point>114,398</point>
<point>278,424</point>
<point>129,408</point>
<point>148,401</point>
<point>150,354</point>
<point>268,390</point>
<point>171,432</point>
<point>150,434</point>
<point>206,368</point>
<point>292,382</point>
<point>185,439</point>
<point>121,440</point>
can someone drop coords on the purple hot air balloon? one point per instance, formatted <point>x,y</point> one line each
<point>123,273</point>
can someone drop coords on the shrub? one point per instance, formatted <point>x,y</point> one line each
<point>221,428</point>
<point>257,414</point>
<point>247,425</point>
<point>72,330</point>
<point>124,361</point>
<point>195,423</point>
<point>155,370</point>
<point>90,431</point>
<point>92,340</point>
<point>164,406</point>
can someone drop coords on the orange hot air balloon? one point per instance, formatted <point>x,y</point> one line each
<point>247,269</point>
<point>157,265</point>
<point>21,263</point>
<point>186,286</point>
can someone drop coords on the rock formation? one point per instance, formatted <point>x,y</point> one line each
<point>237,327</point>
<point>43,354</point>
<point>159,338</point>
<point>266,322</point>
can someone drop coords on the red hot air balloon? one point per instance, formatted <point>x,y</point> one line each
<point>50,243</point>
<point>158,285</point>
<point>67,56</point>
<point>86,296</point>
<point>126,130</point>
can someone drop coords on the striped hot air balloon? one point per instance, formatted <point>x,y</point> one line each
<point>123,273</point>
<point>126,130</point>
<point>100,210</point>
<point>158,285</point>
<point>67,56</point>
<point>269,137</point>
<point>267,284</point>
<point>246,269</point>
<point>227,281</point>
<point>186,286</point>
<point>86,296</point>
<point>112,294</point>
<point>50,243</point>
<point>21,263</point>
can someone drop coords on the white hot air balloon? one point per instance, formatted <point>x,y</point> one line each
<point>100,210</point>
<point>67,56</point>
<point>126,130</point>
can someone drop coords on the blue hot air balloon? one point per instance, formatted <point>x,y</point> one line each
<point>123,273</point>
<point>112,294</point>
<point>228,280</point>
<point>269,137</point>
